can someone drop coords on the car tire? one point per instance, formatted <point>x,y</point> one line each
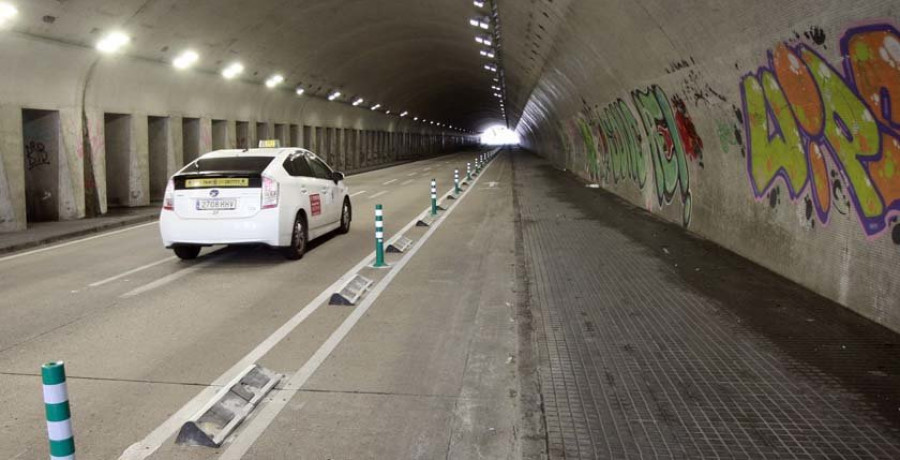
<point>346,216</point>
<point>299,236</point>
<point>186,252</point>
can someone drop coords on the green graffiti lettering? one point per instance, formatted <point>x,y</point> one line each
<point>850,129</point>
<point>774,142</point>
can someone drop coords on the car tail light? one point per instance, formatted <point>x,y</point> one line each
<point>269,193</point>
<point>169,198</point>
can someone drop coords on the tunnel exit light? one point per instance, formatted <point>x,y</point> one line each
<point>113,42</point>
<point>7,12</point>
<point>185,59</point>
<point>499,135</point>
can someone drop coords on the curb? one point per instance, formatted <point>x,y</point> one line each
<point>77,233</point>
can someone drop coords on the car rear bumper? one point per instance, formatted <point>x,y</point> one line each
<point>262,228</point>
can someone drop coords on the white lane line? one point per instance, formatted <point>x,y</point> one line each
<point>172,277</point>
<point>407,182</point>
<point>152,442</point>
<point>378,194</point>
<point>412,174</point>
<point>69,243</point>
<point>254,427</point>
<point>357,193</point>
<point>131,272</point>
<point>390,182</point>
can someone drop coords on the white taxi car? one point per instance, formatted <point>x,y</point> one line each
<point>280,197</point>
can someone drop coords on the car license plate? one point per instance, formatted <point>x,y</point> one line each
<point>210,204</point>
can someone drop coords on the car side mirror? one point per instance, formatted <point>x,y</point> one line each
<point>337,176</point>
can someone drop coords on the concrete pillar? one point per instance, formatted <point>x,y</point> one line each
<point>177,139</point>
<point>205,135</point>
<point>139,164</point>
<point>230,134</point>
<point>12,170</point>
<point>71,172</point>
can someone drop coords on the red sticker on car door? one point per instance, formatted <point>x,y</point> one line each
<point>315,204</point>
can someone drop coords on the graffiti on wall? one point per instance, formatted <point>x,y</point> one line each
<point>36,155</point>
<point>830,134</point>
<point>619,144</point>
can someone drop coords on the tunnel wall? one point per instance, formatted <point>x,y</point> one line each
<point>771,128</point>
<point>84,87</point>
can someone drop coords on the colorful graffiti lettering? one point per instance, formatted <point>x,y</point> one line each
<point>667,147</point>
<point>802,115</point>
<point>617,146</point>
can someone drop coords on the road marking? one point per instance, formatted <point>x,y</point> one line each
<point>426,169</point>
<point>390,182</point>
<point>407,182</point>
<point>210,258</point>
<point>357,193</point>
<point>152,442</point>
<point>69,243</point>
<point>254,427</point>
<point>378,194</point>
<point>131,272</point>
<point>412,174</point>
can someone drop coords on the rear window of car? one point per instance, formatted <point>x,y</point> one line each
<point>250,165</point>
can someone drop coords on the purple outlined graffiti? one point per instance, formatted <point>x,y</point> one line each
<point>819,130</point>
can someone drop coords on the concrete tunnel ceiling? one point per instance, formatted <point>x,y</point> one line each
<point>407,55</point>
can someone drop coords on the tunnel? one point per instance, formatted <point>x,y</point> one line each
<point>493,229</point>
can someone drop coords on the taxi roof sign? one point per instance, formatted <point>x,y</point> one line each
<point>269,143</point>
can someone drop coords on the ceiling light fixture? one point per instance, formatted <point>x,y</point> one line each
<point>113,42</point>
<point>484,40</point>
<point>483,23</point>
<point>233,70</point>
<point>334,95</point>
<point>7,12</point>
<point>357,102</point>
<point>376,106</point>
<point>404,114</point>
<point>274,81</point>
<point>300,91</point>
<point>185,59</point>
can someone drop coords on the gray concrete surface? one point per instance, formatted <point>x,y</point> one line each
<point>656,344</point>
<point>133,361</point>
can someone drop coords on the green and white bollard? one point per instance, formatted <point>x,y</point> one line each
<point>56,408</point>
<point>379,237</point>
<point>456,181</point>
<point>433,197</point>
<point>468,172</point>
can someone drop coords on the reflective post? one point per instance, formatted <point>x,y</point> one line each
<point>379,236</point>
<point>433,197</point>
<point>468,171</point>
<point>56,408</point>
<point>456,181</point>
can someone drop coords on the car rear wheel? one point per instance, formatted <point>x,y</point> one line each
<point>346,216</point>
<point>186,252</point>
<point>298,240</point>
